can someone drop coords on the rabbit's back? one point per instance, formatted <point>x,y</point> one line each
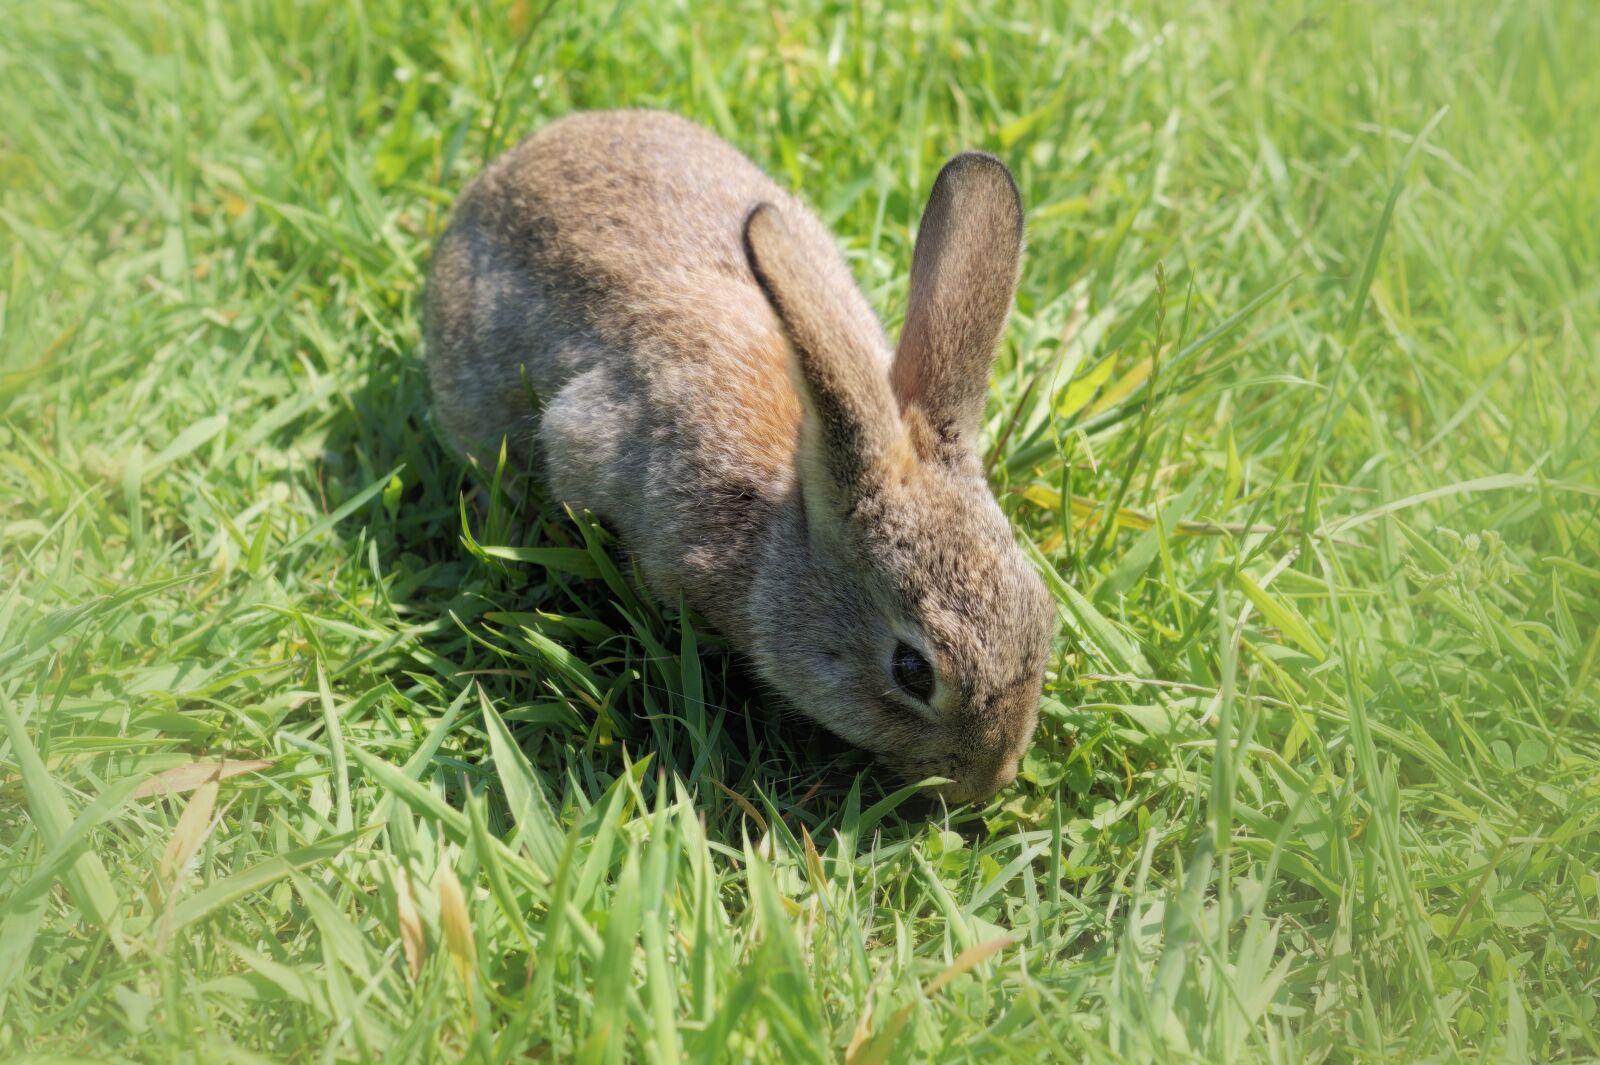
<point>625,203</point>
<point>591,305</point>
<point>614,239</point>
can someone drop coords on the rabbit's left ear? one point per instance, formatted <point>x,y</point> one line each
<point>851,439</point>
<point>963,279</point>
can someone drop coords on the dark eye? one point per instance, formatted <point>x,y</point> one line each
<point>912,672</point>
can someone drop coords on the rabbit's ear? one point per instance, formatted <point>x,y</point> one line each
<point>963,279</point>
<point>851,436</point>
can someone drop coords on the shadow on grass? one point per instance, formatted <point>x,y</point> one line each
<point>589,675</point>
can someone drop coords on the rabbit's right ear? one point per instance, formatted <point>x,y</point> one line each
<point>851,438</point>
<point>963,278</point>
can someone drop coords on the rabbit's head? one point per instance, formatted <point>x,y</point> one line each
<point>897,609</point>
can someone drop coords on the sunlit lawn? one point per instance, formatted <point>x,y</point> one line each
<point>1300,407</point>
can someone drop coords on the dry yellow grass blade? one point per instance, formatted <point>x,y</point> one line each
<point>1084,509</point>
<point>194,824</point>
<point>966,961</point>
<point>746,805</point>
<point>455,921</point>
<point>876,1051</point>
<point>863,1028</point>
<point>191,775</point>
<point>412,939</point>
<point>1119,389</point>
<point>1087,512</point>
<point>1078,392</point>
<point>814,864</point>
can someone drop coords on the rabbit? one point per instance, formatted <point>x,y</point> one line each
<point>669,340</point>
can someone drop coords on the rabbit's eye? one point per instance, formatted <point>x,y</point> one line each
<point>912,672</point>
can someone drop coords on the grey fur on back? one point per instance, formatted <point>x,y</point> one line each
<point>600,261</point>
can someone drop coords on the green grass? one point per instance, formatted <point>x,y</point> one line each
<point>1319,770</point>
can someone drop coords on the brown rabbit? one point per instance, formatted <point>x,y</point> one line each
<point>676,345</point>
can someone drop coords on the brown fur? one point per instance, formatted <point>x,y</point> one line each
<point>638,311</point>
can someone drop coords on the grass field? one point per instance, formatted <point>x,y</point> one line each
<point>1300,405</point>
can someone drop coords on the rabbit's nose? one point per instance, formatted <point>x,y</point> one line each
<point>983,781</point>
